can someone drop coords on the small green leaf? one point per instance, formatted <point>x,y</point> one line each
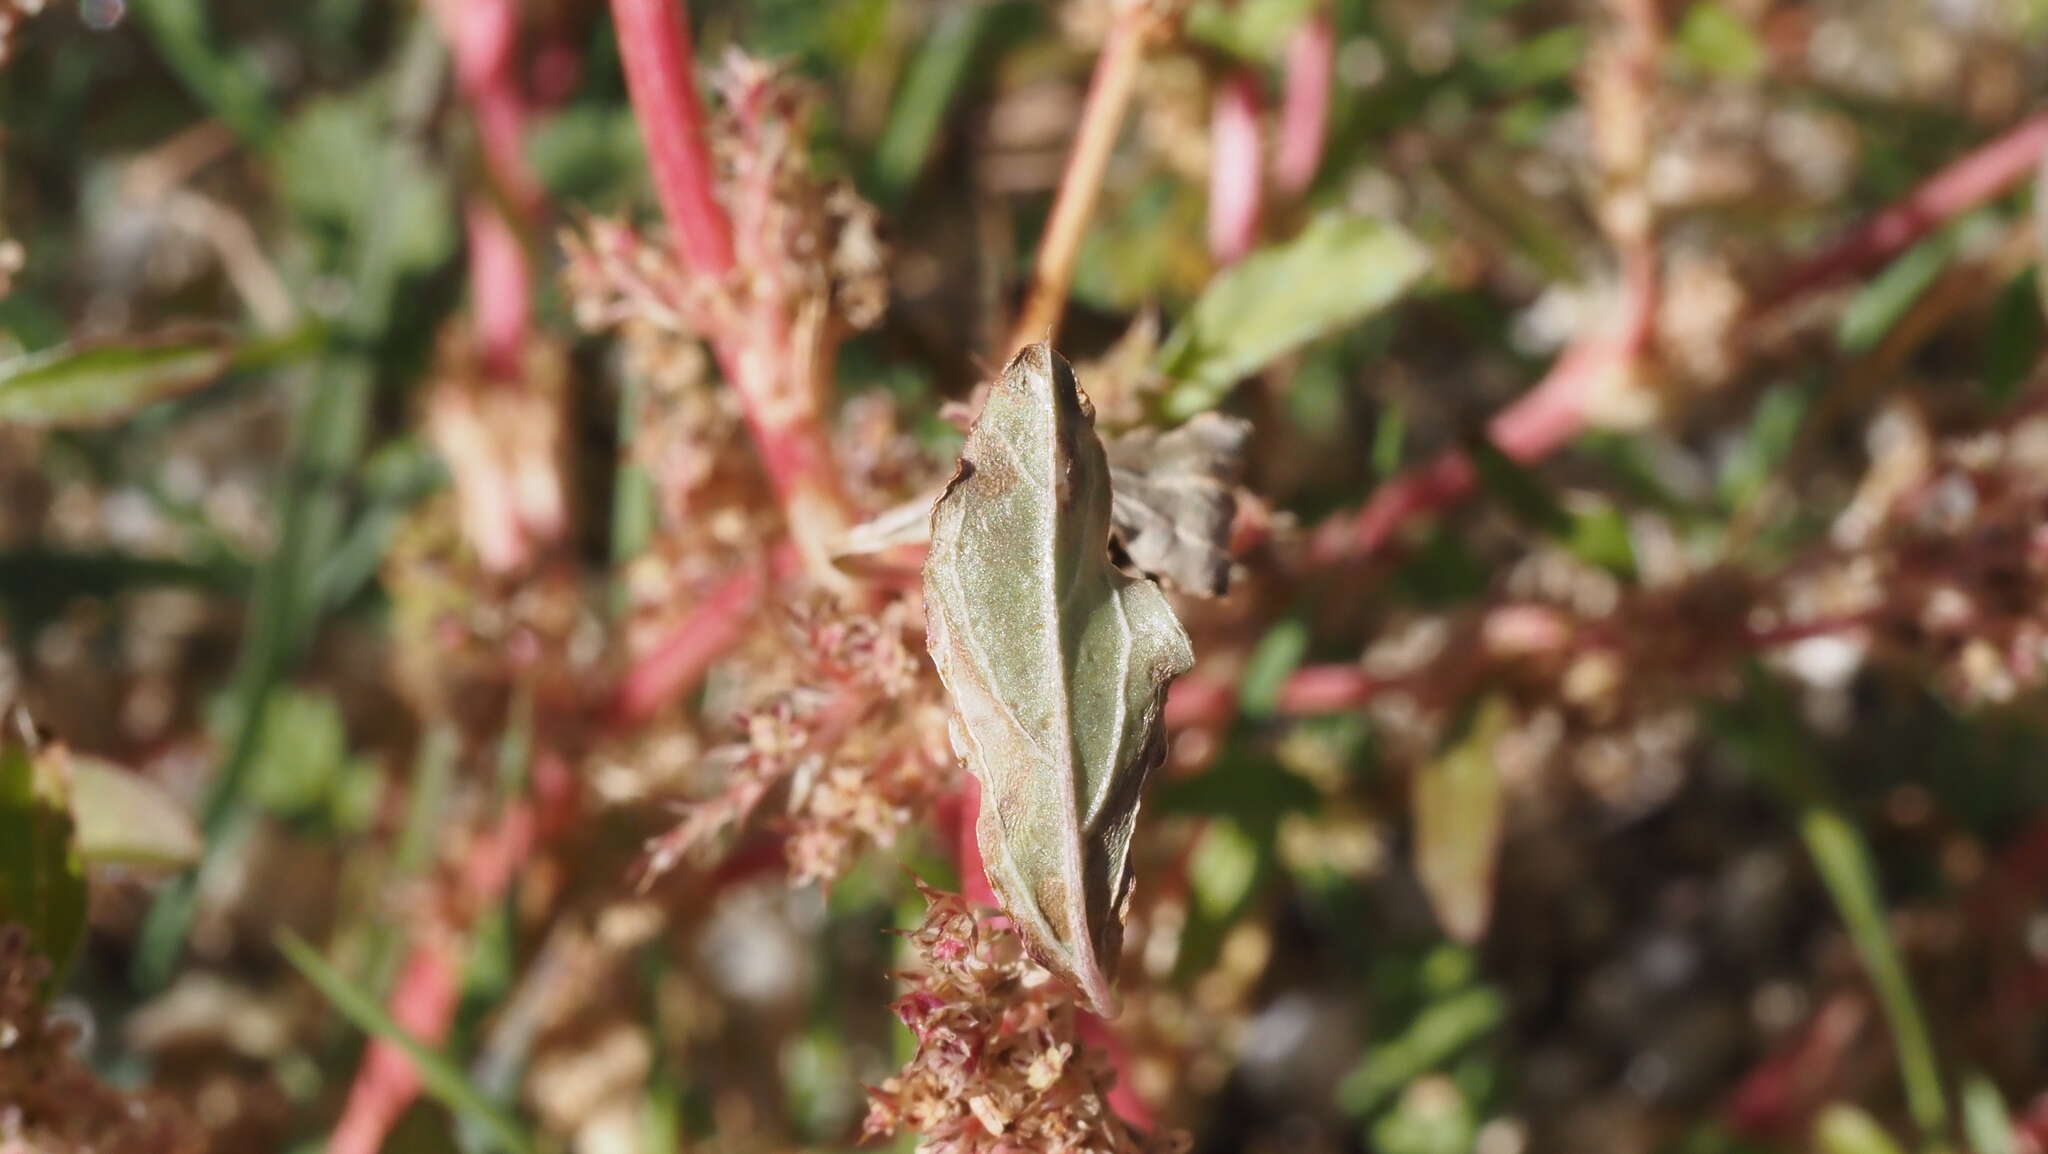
<point>1458,822</point>
<point>1842,858</point>
<point>1986,1122</point>
<point>68,387</point>
<point>438,1076</point>
<point>1338,271</point>
<point>1439,1033</point>
<point>1253,30</point>
<point>936,74</point>
<point>1846,1129</point>
<point>42,880</point>
<point>1715,41</point>
<point>126,819</point>
<point>1881,304</point>
<point>2012,347</point>
<point>1278,655</point>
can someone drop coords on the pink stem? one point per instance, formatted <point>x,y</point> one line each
<point>423,998</point>
<point>501,290</point>
<point>1537,424</point>
<point>1548,416</point>
<point>1982,175</point>
<point>423,1002</point>
<point>654,45</point>
<point>719,622</point>
<point>1305,103</point>
<point>1235,180</point>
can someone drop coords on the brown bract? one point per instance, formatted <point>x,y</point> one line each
<point>1057,665</point>
<point>1175,496</point>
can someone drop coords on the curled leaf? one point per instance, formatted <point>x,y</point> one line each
<point>42,882</point>
<point>1057,665</point>
<point>69,387</point>
<point>1173,496</point>
<point>126,819</point>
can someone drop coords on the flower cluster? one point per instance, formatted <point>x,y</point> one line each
<point>1000,1063</point>
<point>858,741</point>
<point>50,1103</point>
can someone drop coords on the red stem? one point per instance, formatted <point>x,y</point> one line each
<point>677,663</point>
<point>501,290</point>
<point>1305,102</point>
<point>1235,179</point>
<point>1551,414</point>
<point>1978,177</point>
<point>654,45</point>
<point>423,998</point>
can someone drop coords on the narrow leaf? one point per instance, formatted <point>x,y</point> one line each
<point>1458,821</point>
<point>1844,1129</point>
<point>69,386</point>
<point>1337,272</point>
<point>126,819</point>
<point>42,883</point>
<point>1057,665</point>
<point>438,1076</point>
<point>1986,1121</point>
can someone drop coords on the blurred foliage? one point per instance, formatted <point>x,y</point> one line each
<point>1665,777</point>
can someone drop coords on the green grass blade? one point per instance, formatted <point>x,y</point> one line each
<point>1843,860</point>
<point>438,1076</point>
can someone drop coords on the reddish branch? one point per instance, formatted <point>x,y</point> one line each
<point>1305,102</point>
<point>779,385</point>
<point>483,36</point>
<point>1554,412</point>
<point>1235,179</point>
<point>1979,177</point>
<point>423,999</point>
<point>676,664</point>
<point>654,45</point>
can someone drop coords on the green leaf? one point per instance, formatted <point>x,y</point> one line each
<point>938,72</point>
<point>1714,40</point>
<point>68,387</point>
<point>1986,1122</point>
<point>42,880</point>
<point>1439,1033</point>
<point>1505,480</point>
<point>1846,1129</point>
<point>1338,271</point>
<point>1458,821</point>
<point>2012,347</point>
<point>1057,665</point>
<point>126,819</point>
<point>1254,30</point>
<point>336,154</point>
<point>438,1076</point>
<point>1843,861</point>
<point>1278,655</point>
<point>1881,304</point>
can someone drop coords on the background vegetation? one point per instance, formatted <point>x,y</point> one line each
<point>463,492</point>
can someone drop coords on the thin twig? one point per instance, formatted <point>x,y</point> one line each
<point>1102,117</point>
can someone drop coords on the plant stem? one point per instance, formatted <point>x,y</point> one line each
<point>654,46</point>
<point>1552,413</point>
<point>1305,102</point>
<point>1102,116</point>
<point>1236,179</point>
